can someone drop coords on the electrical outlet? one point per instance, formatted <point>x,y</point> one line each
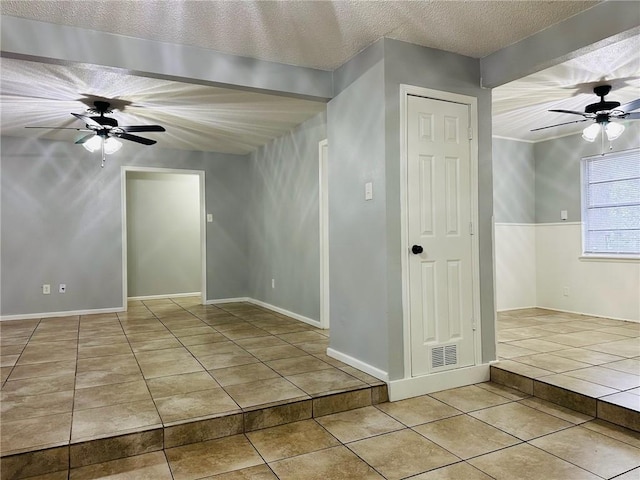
<point>273,283</point>
<point>46,289</point>
<point>62,288</point>
<point>565,291</point>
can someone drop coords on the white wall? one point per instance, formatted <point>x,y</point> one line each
<point>608,288</point>
<point>515,265</point>
<point>535,262</point>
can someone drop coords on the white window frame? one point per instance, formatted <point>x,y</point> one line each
<point>584,185</point>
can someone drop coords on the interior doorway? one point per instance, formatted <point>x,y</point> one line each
<point>163,233</point>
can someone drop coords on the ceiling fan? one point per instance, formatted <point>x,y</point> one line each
<point>601,114</point>
<point>105,130</point>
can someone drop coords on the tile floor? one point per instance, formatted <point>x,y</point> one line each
<point>161,364</point>
<point>477,432</point>
<point>143,376</point>
<point>592,356</point>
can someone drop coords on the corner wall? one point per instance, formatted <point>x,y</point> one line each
<point>283,227</point>
<point>603,287</point>
<point>538,260</point>
<point>367,318</point>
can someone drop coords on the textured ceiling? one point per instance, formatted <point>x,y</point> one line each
<point>196,117</point>
<point>319,34</point>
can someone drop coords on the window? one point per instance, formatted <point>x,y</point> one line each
<point>611,204</point>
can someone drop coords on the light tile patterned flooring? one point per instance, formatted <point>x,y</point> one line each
<point>477,432</point>
<point>161,363</point>
<point>74,379</point>
<point>597,357</point>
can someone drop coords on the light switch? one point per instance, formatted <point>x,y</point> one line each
<point>368,191</point>
<point>563,215</point>
<point>209,217</point>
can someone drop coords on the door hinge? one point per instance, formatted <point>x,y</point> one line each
<point>473,325</point>
<point>470,133</point>
<point>470,228</point>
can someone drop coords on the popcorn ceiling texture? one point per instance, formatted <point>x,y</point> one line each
<point>318,34</point>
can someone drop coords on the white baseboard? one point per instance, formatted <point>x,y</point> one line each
<point>517,308</point>
<point>416,386</point>
<point>297,316</point>
<point>589,314</point>
<point>69,313</point>
<point>268,306</point>
<point>226,300</point>
<point>355,363</point>
<point>160,297</point>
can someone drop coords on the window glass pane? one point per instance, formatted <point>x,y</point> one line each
<point>614,218</point>
<point>614,193</point>
<point>610,242</point>
<point>622,167</point>
<point>611,203</point>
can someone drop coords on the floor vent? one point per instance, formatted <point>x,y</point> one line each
<point>443,356</point>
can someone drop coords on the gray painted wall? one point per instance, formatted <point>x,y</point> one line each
<point>514,181</point>
<point>357,228</point>
<point>61,217</point>
<point>557,178</point>
<point>283,220</point>
<point>163,234</point>
<point>364,145</point>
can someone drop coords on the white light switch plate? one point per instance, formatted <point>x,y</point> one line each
<point>368,191</point>
<point>209,217</point>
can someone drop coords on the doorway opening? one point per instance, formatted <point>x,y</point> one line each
<point>163,219</point>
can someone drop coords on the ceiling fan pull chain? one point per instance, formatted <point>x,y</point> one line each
<point>102,164</point>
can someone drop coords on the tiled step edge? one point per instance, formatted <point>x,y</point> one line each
<point>40,462</point>
<point>594,407</point>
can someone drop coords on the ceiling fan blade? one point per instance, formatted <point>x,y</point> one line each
<point>87,120</point>
<point>558,124</point>
<point>85,138</point>
<point>629,107</point>
<point>573,112</point>
<point>142,128</point>
<point>65,128</point>
<point>632,116</point>
<point>136,138</point>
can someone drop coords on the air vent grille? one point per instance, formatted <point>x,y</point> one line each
<point>444,356</point>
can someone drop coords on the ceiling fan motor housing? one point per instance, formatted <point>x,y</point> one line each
<point>601,107</point>
<point>106,121</point>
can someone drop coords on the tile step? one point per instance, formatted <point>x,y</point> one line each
<point>596,407</point>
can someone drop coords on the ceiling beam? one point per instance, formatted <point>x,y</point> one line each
<point>50,43</point>
<point>603,24</point>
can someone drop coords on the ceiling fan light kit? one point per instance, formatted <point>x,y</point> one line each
<point>104,131</point>
<point>111,145</point>
<point>612,131</point>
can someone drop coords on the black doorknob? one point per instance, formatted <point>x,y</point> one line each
<point>417,249</point>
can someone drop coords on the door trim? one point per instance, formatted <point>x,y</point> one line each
<point>323,201</point>
<point>472,103</point>
<point>203,225</point>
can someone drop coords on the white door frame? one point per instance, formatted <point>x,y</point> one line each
<point>323,201</point>
<point>405,92</point>
<point>203,230</point>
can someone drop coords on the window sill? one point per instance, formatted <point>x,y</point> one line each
<point>610,258</point>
